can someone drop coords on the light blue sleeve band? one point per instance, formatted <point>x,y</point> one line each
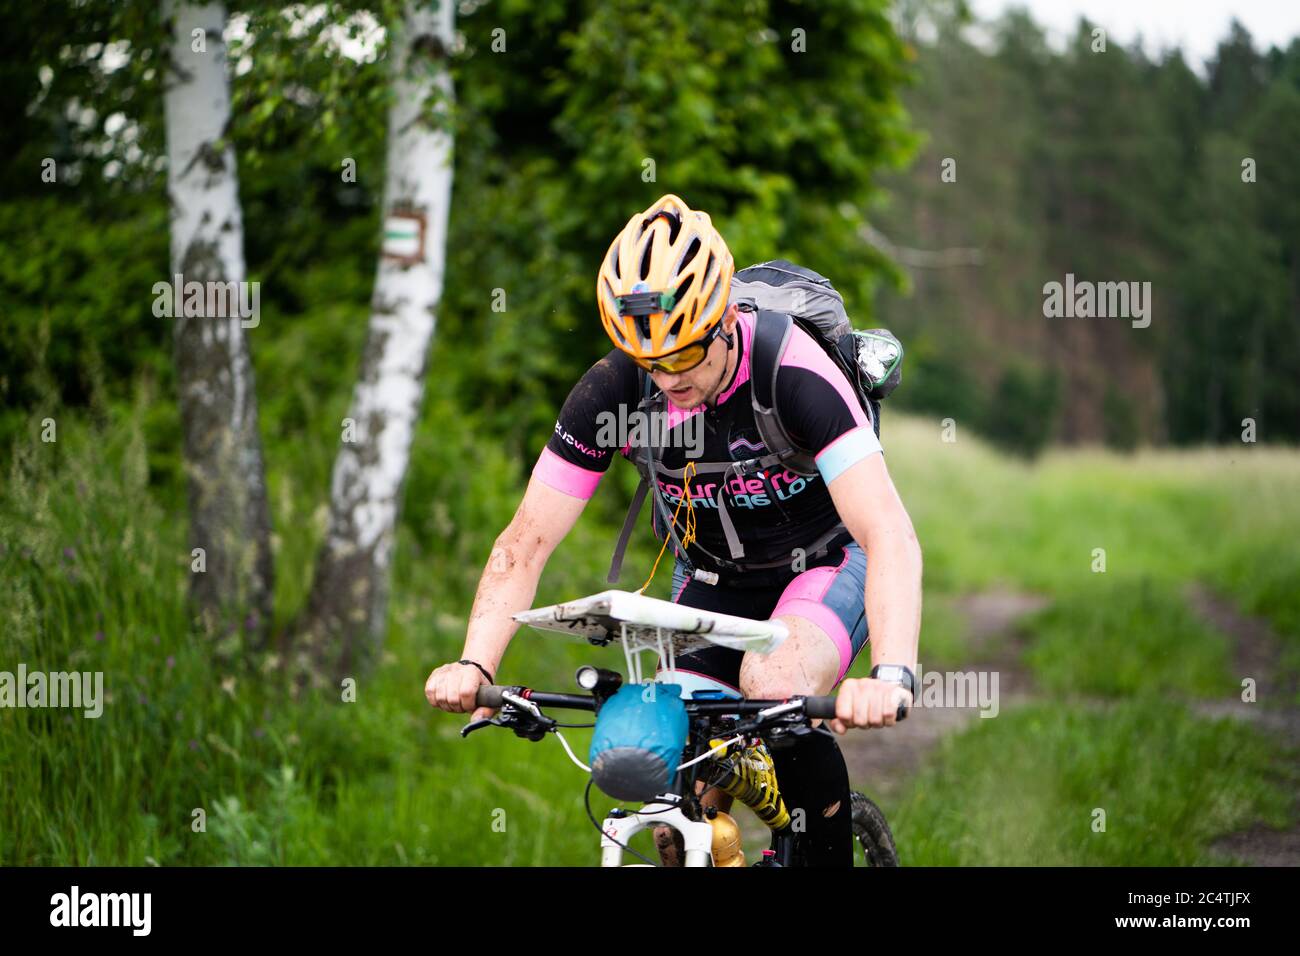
<point>849,449</point>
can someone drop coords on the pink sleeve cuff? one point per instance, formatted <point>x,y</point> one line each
<point>564,476</point>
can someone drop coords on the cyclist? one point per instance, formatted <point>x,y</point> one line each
<point>804,540</point>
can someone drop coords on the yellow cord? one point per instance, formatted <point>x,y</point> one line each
<point>689,535</point>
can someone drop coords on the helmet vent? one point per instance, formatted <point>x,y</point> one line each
<point>719,292</point>
<point>691,251</point>
<point>685,287</point>
<point>674,223</point>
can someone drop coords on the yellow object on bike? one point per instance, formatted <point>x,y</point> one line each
<point>726,841</point>
<point>749,775</point>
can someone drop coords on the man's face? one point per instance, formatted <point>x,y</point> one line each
<point>690,388</point>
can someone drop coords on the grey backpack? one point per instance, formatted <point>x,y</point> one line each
<point>784,295</point>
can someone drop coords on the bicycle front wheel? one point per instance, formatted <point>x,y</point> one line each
<point>871,832</point>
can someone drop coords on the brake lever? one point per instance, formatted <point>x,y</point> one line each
<point>523,724</point>
<point>479,724</point>
<point>752,728</point>
<point>771,729</point>
<point>508,716</point>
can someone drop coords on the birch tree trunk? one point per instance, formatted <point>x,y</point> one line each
<point>231,578</point>
<point>344,622</point>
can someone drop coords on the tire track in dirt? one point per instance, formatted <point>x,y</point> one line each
<point>1257,653</point>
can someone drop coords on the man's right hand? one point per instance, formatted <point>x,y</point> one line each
<point>453,687</point>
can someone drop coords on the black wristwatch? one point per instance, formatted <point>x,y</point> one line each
<point>899,674</point>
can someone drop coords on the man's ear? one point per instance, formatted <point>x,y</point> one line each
<point>730,318</point>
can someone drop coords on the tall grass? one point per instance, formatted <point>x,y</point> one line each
<point>1139,783</point>
<point>189,764</point>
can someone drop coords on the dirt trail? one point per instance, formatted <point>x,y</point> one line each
<point>1257,654</point>
<point>881,763</point>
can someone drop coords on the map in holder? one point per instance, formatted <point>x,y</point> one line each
<point>647,623</point>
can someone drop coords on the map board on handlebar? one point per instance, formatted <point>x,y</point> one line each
<point>605,617</point>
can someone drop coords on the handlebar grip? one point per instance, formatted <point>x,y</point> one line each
<point>489,695</point>
<point>824,707</point>
<point>819,707</point>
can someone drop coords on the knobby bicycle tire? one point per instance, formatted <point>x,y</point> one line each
<point>872,832</point>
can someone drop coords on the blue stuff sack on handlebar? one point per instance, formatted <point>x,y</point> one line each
<point>637,744</point>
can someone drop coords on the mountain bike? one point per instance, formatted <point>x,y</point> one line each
<point>727,740</point>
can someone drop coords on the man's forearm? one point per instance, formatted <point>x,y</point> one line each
<point>508,586</point>
<point>893,597</point>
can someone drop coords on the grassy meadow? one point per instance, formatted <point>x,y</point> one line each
<point>93,571</point>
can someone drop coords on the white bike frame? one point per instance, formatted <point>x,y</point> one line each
<point>697,835</point>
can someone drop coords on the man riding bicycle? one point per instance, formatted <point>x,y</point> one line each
<point>663,292</point>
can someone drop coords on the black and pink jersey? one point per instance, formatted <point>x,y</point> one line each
<point>774,512</point>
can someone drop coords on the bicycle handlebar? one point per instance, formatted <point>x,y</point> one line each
<point>490,695</point>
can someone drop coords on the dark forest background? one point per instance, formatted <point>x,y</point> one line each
<point>1113,166</point>
<point>1109,165</point>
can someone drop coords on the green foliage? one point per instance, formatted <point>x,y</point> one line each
<point>1122,427</point>
<point>941,382</point>
<point>79,307</point>
<point>93,573</point>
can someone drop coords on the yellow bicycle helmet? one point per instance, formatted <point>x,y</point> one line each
<point>664,284</point>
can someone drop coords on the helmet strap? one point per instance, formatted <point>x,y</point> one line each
<point>728,338</point>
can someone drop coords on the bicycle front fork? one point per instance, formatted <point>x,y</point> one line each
<point>696,834</point>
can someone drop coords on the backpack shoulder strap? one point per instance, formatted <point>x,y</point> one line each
<point>772,332</point>
<point>638,498</point>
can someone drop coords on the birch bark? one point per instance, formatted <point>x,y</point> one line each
<point>231,580</point>
<point>344,621</point>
